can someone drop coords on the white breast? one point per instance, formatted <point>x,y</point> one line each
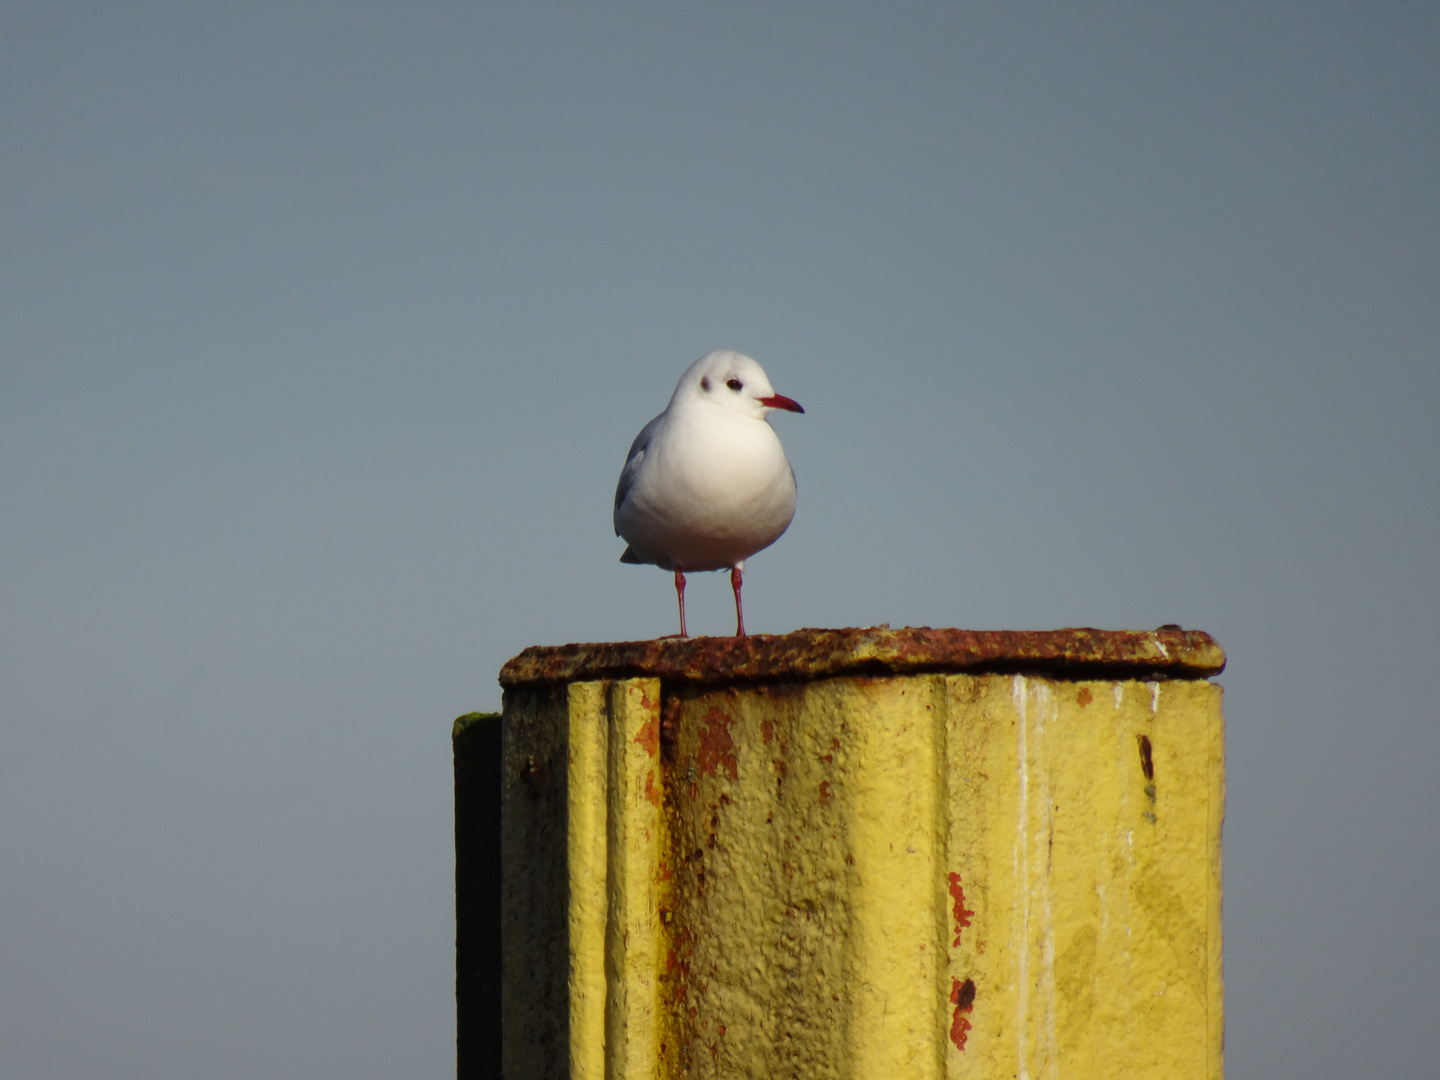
<point>714,488</point>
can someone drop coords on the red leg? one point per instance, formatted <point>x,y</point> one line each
<point>680,592</point>
<point>735,582</point>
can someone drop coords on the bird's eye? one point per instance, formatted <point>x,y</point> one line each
<point>704,384</point>
<point>733,384</point>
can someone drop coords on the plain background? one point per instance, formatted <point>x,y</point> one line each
<point>324,329</point>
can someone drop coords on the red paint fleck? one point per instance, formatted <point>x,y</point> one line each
<point>649,736</point>
<point>767,731</point>
<point>677,963</point>
<point>651,792</point>
<point>962,996</point>
<point>959,1031</point>
<point>962,913</point>
<point>824,790</point>
<point>717,748</point>
<point>1084,697</point>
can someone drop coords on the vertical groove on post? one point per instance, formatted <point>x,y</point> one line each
<point>984,877</point>
<point>585,850</point>
<point>937,706</point>
<point>890,817</point>
<point>634,853</point>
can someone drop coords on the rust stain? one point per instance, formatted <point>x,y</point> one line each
<point>767,731</point>
<point>961,912</point>
<point>717,748</point>
<point>1147,757</point>
<point>677,964</point>
<point>814,654</point>
<point>962,996</point>
<point>649,735</point>
<point>1084,697</point>
<point>677,957</point>
<point>670,709</point>
<point>651,793</point>
<point>824,790</point>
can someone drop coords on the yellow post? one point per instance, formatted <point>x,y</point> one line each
<point>870,854</point>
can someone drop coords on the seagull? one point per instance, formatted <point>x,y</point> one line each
<point>706,483</point>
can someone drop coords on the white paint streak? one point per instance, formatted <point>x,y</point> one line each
<point>1032,869</point>
<point>1161,646</point>
<point>1154,697</point>
<point>1119,695</point>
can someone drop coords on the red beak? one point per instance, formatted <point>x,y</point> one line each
<point>780,401</point>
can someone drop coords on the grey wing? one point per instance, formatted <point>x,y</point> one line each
<point>633,460</point>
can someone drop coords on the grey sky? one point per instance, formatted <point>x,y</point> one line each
<point>324,330</point>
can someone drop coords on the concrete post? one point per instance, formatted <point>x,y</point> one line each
<point>871,854</point>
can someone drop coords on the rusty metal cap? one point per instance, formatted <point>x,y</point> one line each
<point>1072,653</point>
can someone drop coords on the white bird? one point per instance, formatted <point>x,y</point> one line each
<point>706,483</point>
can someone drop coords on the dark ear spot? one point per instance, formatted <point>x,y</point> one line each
<point>705,383</point>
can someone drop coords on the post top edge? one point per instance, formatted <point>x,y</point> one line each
<point>809,654</point>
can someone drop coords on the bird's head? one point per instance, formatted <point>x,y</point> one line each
<point>732,381</point>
